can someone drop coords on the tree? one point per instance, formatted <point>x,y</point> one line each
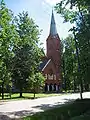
<point>36,82</point>
<point>8,37</point>
<point>71,62</point>
<point>69,67</point>
<point>27,53</point>
<point>79,14</point>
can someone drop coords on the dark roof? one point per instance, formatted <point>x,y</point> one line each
<point>41,66</point>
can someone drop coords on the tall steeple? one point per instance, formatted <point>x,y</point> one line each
<point>53,30</point>
<point>51,65</point>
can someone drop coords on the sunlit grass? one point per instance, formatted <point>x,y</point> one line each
<point>15,96</point>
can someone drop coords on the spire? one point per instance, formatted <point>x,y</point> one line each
<point>53,30</point>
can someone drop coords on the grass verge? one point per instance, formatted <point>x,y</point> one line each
<point>27,96</point>
<point>74,111</point>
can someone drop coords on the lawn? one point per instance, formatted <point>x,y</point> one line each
<point>27,96</point>
<point>79,110</point>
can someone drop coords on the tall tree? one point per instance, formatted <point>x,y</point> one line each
<point>27,52</point>
<point>8,37</point>
<point>78,12</point>
<point>70,64</point>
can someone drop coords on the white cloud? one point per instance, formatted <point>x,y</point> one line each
<point>52,2</point>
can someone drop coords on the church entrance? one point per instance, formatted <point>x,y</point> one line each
<point>51,87</point>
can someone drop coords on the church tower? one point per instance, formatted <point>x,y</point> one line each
<point>51,66</point>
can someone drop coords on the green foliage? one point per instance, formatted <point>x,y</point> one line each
<point>20,54</point>
<point>69,63</point>
<point>27,53</point>
<point>27,29</point>
<point>8,38</point>
<point>37,80</point>
<point>78,12</point>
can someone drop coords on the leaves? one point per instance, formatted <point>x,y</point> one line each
<point>27,54</point>
<point>78,12</point>
<point>8,38</point>
<point>19,50</point>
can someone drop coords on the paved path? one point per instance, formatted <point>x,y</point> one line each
<point>20,108</point>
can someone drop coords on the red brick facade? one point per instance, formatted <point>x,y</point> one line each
<point>51,69</point>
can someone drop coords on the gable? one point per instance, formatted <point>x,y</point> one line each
<point>49,67</point>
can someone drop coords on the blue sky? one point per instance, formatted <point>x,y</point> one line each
<point>40,11</point>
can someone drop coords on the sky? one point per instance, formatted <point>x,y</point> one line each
<point>40,11</point>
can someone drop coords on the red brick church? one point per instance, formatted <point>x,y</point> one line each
<point>51,63</point>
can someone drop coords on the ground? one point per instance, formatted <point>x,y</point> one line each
<point>20,108</point>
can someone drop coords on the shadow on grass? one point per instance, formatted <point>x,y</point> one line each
<point>5,117</point>
<point>15,115</point>
<point>63,112</point>
<point>57,104</point>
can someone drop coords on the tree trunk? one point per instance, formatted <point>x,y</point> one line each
<point>81,95</point>
<point>34,92</point>
<point>74,85</point>
<point>77,53</point>
<point>2,90</point>
<point>34,95</point>
<point>64,74</point>
<point>20,94</point>
<point>81,91</point>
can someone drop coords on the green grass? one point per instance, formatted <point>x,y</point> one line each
<point>27,96</point>
<point>74,111</point>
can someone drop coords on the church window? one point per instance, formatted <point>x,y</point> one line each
<point>50,77</point>
<point>54,77</point>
